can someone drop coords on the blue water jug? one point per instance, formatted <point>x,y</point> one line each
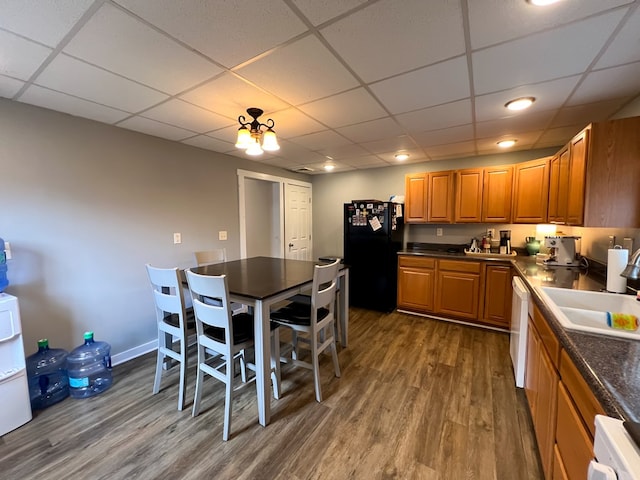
<point>47,376</point>
<point>89,368</point>
<point>4,282</point>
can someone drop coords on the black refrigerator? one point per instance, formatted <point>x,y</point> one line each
<point>373,235</point>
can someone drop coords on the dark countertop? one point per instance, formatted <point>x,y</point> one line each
<point>610,365</point>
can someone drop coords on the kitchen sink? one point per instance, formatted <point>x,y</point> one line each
<point>587,311</point>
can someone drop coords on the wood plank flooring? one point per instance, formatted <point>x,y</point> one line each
<point>418,399</point>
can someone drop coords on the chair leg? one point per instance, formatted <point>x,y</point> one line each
<point>162,343</point>
<point>228,398</point>
<point>183,374</point>
<point>243,367</point>
<point>334,354</point>
<point>315,362</point>
<point>275,362</point>
<point>200,374</point>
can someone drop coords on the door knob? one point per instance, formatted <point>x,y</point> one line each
<point>291,245</point>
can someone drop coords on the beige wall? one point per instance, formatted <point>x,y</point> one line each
<point>86,205</point>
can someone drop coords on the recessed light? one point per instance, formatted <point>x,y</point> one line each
<point>401,156</point>
<point>542,3</point>
<point>506,143</point>
<point>329,166</point>
<point>520,103</point>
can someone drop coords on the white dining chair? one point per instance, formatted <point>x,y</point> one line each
<point>222,338</point>
<point>315,321</point>
<point>174,322</point>
<point>209,257</point>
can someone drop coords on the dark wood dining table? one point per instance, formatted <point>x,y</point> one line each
<point>261,282</point>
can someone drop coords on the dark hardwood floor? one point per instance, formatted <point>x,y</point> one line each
<point>418,399</point>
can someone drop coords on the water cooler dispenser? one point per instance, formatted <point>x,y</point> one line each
<point>14,390</point>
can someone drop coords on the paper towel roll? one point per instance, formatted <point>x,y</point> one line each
<point>616,262</point>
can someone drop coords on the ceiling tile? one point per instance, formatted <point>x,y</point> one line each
<point>209,143</point>
<point>561,52</point>
<point>20,58</point>
<point>45,22</point>
<point>300,72</point>
<point>415,155</point>
<point>559,136</point>
<point>373,130</point>
<point>444,136</point>
<point>78,107</point>
<point>300,154</point>
<point>292,123</point>
<point>319,11</point>
<point>116,41</point>
<point>187,116</point>
<point>346,108</point>
<point>9,86</point>
<point>548,95</point>
<point>230,96</point>
<point>228,32</point>
<point>434,85</point>
<point>321,140</point>
<point>158,129</point>
<point>403,35</point>
<point>595,112</point>
<point>460,149</point>
<point>436,118</point>
<point>608,84</point>
<point>390,144</point>
<point>523,140</point>
<point>343,151</point>
<point>515,125</point>
<point>80,79</point>
<point>619,52</point>
<point>495,21</point>
<point>365,161</point>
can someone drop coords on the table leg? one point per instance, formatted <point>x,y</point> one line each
<point>263,361</point>
<point>344,307</point>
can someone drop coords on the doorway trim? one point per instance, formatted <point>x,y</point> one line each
<point>281,182</point>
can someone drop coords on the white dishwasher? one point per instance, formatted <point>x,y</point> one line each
<point>617,454</point>
<point>519,319</point>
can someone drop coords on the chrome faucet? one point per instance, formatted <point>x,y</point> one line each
<point>632,270</point>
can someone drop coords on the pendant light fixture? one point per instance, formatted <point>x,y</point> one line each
<point>253,139</point>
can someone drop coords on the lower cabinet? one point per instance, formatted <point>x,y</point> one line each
<point>497,295</point>
<point>458,288</point>
<point>416,283</point>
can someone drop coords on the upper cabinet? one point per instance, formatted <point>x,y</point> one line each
<point>440,197</point>
<point>531,191</point>
<point>415,193</point>
<point>496,194</point>
<point>469,195</point>
<point>559,186</point>
<point>612,196</point>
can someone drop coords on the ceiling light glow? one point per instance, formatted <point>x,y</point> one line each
<point>542,3</point>
<point>506,143</point>
<point>329,167</point>
<point>401,156</point>
<point>520,103</point>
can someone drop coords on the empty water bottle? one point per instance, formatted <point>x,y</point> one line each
<point>89,368</point>
<point>47,375</point>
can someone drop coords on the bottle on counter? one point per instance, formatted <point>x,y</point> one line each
<point>47,376</point>
<point>89,368</point>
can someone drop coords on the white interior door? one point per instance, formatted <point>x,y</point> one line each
<point>297,221</point>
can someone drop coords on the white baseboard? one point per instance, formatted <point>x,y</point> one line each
<point>132,353</point>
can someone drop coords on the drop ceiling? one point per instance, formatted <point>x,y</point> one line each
<point>348,80</point>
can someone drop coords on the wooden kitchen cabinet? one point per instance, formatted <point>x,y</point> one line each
<point>578,149</point>
<point>559,186</point>
<point>440,197</point>
<point>415,201</point>
<point>497,194</point>
<point>497,295</point>
<point>469,187</point>
<point>458,288</point>
<point>531,191</point>
<point>416,283</point>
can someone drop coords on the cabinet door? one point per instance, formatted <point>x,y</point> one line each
<point>559,472</point>
<point>416,288</point>
<point>457,294</point>
<point>559,186</point>
<point>468,195</point>
<point>531,191</point>
<point>497,295</point>
<point>531,369</point>
<point>574,443</point>
<point>415,207</point>
<point>440,195</point>
<point>545,422</point>
<point>576,178</point>
<point>497,194</point>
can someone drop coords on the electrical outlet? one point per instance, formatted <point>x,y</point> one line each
<point>438,232</point>
<point>627,242</point>
<point>491,232</point>
<point>177,238</point>
<point>222,235</point>
<point>7,250</point>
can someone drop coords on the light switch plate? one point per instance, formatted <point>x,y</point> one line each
<point>222,235</point>
<point>438,232</point>
<point>177,238</point>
